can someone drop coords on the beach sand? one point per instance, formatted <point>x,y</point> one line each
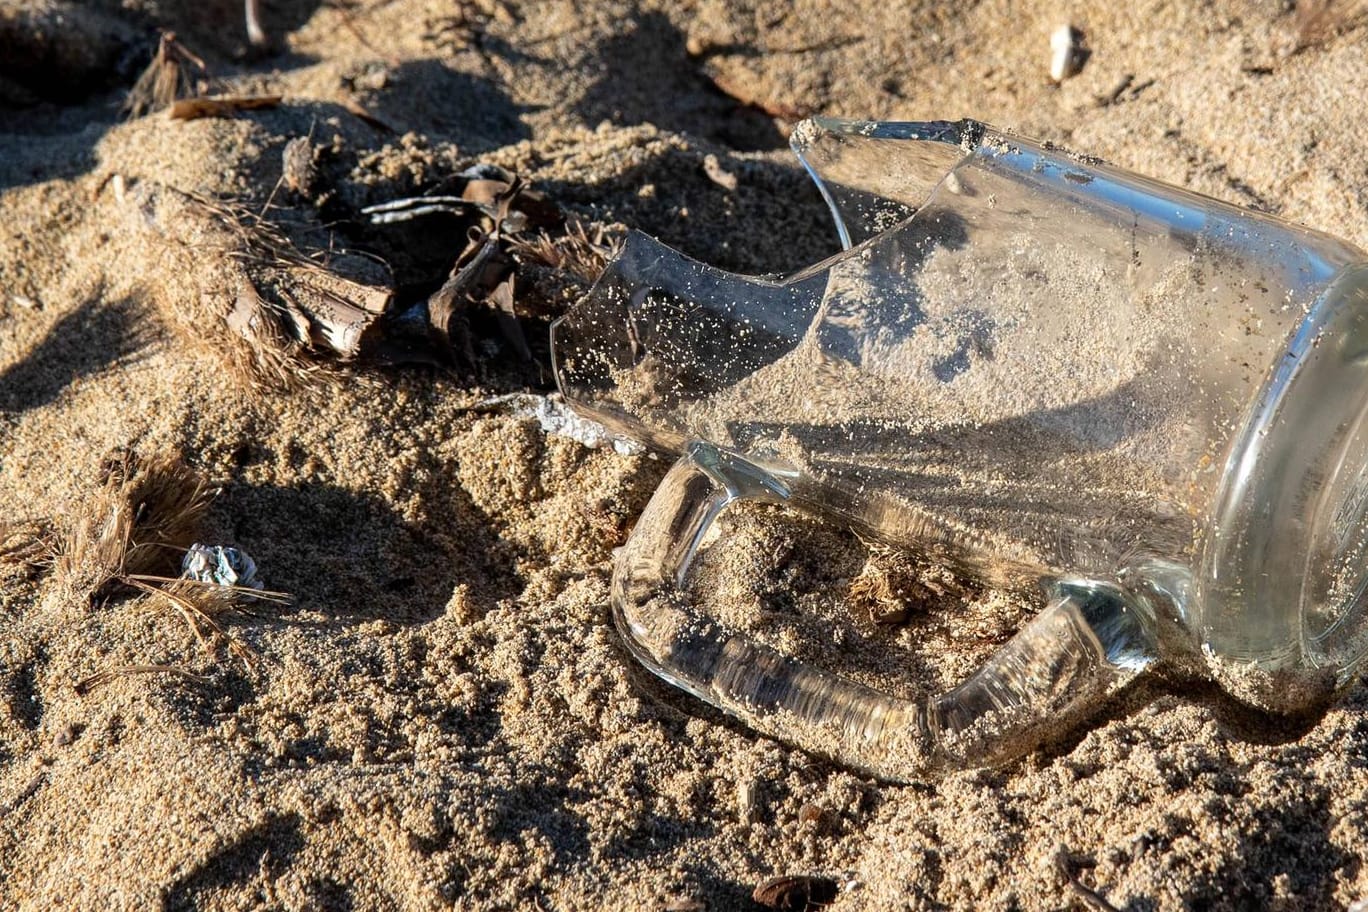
<point>444,715</point>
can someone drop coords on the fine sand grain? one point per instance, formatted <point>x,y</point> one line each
<point>444,717</point>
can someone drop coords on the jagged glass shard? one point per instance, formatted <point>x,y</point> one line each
<point>1143,405</point>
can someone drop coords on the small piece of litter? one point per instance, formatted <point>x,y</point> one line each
<point>1067,54</point>
<point>221,565</point>
<point>555,417</point>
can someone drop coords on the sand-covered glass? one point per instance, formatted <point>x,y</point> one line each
<point>1142,406</point>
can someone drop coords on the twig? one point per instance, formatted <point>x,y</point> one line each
<point>175,72</point>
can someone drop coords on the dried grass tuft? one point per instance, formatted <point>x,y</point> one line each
<point>262,353</point>
<point>203,605</point>
<point>144,514</point>
<point>86,685</point>
<point>131,534</point>
<point>288,318</point>
<point>27,548</point>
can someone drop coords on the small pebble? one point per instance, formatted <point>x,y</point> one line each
<point>1067,54</point>
<point>65,735</point>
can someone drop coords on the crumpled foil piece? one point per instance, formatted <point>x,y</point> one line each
<point>221,565</point>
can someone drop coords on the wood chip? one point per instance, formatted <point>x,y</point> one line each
<point>333,305</point>
<point>220,105</point>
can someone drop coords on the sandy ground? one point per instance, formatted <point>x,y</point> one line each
<point>444,716</point>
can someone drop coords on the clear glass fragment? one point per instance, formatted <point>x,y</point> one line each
<point>1142,405</point>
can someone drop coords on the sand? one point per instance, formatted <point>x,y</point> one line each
<point>444,717</point>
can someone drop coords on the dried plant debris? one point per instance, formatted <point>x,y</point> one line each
<point>286,314</point>
<point>488,190</point>
<point>580,251</point>
<point>203,605</point>
<point>500,207</point>
<point>132,531</point>
<point>555,269</point>
<point>178,80</point>
<point>144,513</point>
<point>219,105</point>
<point>175,72</point>
<point>797,893</point>
<point>27,547</point>
<point>894,583</point>
<point>86,685</point>
<point>282,303</point>
<point>299,167</point>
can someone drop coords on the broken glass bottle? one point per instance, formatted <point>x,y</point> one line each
<point>1142,405</point>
